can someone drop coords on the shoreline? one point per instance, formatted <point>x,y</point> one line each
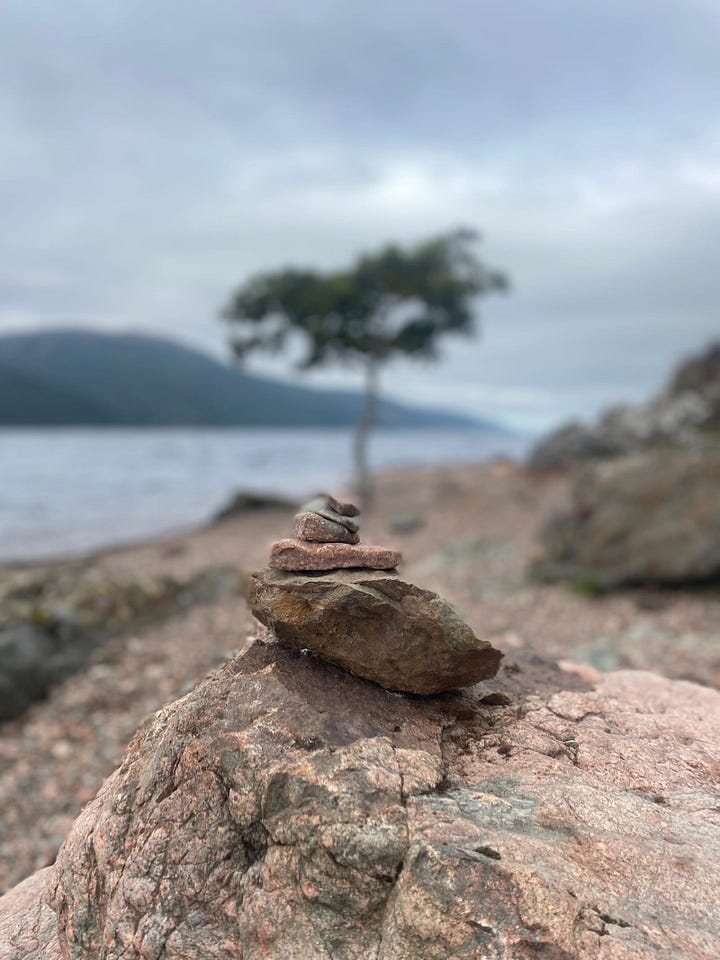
<point>474,535</point>
<point>173,535</point>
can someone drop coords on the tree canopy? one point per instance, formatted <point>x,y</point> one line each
<point>398,301</point>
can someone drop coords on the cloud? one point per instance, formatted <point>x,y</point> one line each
<point>155,154</point>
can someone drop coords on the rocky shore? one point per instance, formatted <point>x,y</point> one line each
<point>286,808</point>
<point>467,533</point>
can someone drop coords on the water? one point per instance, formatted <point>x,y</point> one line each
<point>68,491</point>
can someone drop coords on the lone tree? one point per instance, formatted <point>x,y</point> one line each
<point>397,302</point>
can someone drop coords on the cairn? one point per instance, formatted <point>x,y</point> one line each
<point>327,538</point>
<point>326,593</point>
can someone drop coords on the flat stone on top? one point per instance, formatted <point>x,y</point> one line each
<point>296,555</point>
<point>316,529</point>
<point>346,509</point>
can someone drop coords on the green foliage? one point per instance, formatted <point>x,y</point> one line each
<point>588,587</point>
<point>398,301</point>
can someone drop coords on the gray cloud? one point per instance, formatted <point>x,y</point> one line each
<point>154,154</point>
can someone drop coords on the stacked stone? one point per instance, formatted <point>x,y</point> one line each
<point>327,538</point>
<point>326,593</point>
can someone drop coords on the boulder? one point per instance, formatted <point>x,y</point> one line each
<point>575,441</point>
<point>285,809</point>
<point>34,656</point>
<point>650,518</point>
<point>376,626</point>
<point>700,375</point>
<point>690,403</point>
<point>52,618</point>
<point>105,600</point>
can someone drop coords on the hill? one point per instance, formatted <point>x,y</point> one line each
<point>30,400</point>
<point>81,378</point>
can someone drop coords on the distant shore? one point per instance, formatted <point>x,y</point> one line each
<point>75,492</point>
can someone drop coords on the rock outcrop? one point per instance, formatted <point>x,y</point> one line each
<point>700,375</point>
<point>34,656</point>
<point>690,403</point>
<point>285,809</point>
<point>102,600</point>
<point>52,618</point>
<point>376,626</point>
<point>650,518</point>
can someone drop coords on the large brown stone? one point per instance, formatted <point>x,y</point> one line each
<point>376,626</point>
<point>299,555</point>
<point>285,809</point>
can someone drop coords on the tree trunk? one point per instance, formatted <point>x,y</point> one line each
<point>363,481</point>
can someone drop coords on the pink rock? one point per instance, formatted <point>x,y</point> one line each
<point>297,555</point>
<point>284,804</point>
<point>316,529</point>
<point>28,927</point>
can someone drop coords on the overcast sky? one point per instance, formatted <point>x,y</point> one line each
<point>154,154</point>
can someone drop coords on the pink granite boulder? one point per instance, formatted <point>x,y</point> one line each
<point>286,809</point>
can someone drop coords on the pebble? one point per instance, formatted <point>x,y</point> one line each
<point>322,507</point>
<point>316,529</point>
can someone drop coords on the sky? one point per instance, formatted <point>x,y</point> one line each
<point>154,155</point>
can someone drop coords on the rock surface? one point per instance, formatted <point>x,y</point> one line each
<point>300,556</point>
<point>33,657</point>
<point>346,509</point>
<point>650,518</point>
<point>52,618</point>
<point>376,626</point>
<point>109,603</point>
<point>700,375</point>
<point>284,809</point>
<point>690,403</point>
<point>331,509</point>
<point>28,926</point>
<point>317,529</point>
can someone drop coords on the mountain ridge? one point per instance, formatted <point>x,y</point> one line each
<point>75,377</point>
